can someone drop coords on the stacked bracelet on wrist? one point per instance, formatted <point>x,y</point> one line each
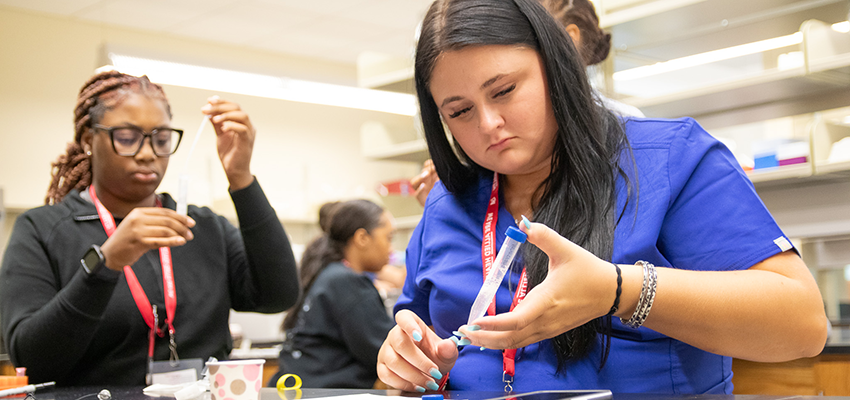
<point>647,296</point>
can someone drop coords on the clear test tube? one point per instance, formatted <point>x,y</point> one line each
<point>183,194</point>
<point>513,239</point>
<point>183,184</point>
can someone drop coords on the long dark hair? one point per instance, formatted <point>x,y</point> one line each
<point>578,198</point>
<point>345,219</point>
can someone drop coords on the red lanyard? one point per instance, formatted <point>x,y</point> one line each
<point>147,310</point>
<point>488,256</point>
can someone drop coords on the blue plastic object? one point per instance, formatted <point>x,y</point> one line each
<point>516,234</point>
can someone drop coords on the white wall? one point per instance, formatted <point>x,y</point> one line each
<point>304,154</point>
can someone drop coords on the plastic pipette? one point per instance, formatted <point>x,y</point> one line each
<point>513,239</point>
<point>25,389</point>
<point>183,184</point>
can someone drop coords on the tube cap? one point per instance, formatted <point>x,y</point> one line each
<point>516,234</point>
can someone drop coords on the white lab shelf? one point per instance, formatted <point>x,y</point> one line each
<point>825,73</point>
<point>415,151</point>
<point>780,175</point>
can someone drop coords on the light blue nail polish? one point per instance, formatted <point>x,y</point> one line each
<point>526,222</point>
<point>455,339</point>
<point>435,373</point>
<point>420,389</point>
<point>474,328</point>
<point>417,336</point>
<point>464,342</point>
<point>482,348</point>
<point>458,333</point>
<point>432,385</point>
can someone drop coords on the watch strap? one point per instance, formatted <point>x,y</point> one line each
<point>96,265</point>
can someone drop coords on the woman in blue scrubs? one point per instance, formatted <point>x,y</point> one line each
<point>652,262</point>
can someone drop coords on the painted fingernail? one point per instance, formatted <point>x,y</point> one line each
<point>455,339</point>
<point>482,348</point>
<point>526,222</point>
<point>417,336</point>
<point>420,389</point>
<point>464,342</point>
<point>458,333</point>
<point>474,328</point>
<point>432,385</point>
<point>435,373</point>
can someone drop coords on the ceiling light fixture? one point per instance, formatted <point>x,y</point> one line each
<point>199,77</point>
<point>719,55</point>
<point>709,57</point>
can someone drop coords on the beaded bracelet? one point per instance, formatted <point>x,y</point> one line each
<point>647,296</point>
<point>616,305</point>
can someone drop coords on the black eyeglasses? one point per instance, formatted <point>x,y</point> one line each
<point>128,140</point>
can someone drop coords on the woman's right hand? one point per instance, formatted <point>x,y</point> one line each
<point>143,229</point>
<point>409,364</point>
<point>424,182</point>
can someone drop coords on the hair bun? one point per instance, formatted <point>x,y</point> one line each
<point>601,50</point>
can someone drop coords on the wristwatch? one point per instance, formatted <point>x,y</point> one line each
<point>93,260</point>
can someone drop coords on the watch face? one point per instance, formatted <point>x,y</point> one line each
<point>91,260</point>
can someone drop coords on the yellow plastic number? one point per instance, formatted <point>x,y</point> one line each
<point>281,383</point>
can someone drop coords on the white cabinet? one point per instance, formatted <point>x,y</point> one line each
<point>380,142</point>
<point>750,72</point>
<point>755,73</point>
<point>400,142</point>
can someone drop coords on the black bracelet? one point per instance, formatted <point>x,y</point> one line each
<point>616,305</point>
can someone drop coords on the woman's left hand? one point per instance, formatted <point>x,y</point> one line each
<point>234,140</point>
<point>578,288</point>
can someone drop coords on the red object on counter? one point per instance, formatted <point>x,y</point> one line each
<point>398,188</point>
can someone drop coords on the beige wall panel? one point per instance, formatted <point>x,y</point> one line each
<point>304,154</point>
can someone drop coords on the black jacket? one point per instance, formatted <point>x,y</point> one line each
<point>77,330</point>
<point>337,334</point>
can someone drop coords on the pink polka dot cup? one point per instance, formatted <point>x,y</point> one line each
<point>236,379</point>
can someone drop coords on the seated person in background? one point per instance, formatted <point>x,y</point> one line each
<point>79,324</point>
<point>389,278</point>
<point>335,330</point>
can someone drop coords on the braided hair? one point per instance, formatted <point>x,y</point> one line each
<point>595,43</point>
<point>101,93</point>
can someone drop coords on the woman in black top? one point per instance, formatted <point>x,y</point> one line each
<point>68,314</point>
<point>334,332</point>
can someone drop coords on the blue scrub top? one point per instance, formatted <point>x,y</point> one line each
<point>696,210</point>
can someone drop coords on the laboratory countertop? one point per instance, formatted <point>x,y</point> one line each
<point>135,393</point>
